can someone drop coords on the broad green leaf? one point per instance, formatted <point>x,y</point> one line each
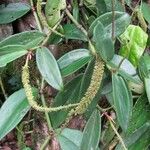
<point>144,66</point>
<point>122,101</point>
<point>122,20</point>
<point>10,53</point>
<point>52,11</point>
<point>91,133</point>
<point>147,87</point>
<point>138,132</point>
<point>134,41</point>
<point>13,110</point>
<point>72,32</point>
<point>126,69</point>
<point>70,139</point>
<point>68,95</point>
<point>101,7</point>
<point>104,43</point>
<point>74,60</point>
<point>140,114</point>
<point>48,68</point>
<point>12,11</point>
<point>135,140</point>
<point>28,39</point>
<point>145,8</point>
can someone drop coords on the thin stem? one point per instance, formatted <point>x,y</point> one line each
<point>43,19</point>
<point>113,19</point>
<point>3,89</point>
<point>123,4</point>
<point>45,143</point>
<point>79,26</point>
<point>50,32</point>
<point>44,104</point>
<point>35,16</point>
<point>116,132</point>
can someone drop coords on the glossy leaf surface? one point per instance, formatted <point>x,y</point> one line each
<point>12,11</point>
<point>74,60</point>
<point>13,110</point>
<point>48,67</point>
<point>122,101</point>
<point>91,133</point>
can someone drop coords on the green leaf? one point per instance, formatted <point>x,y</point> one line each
<point>12,12</point>
<point>138,132</point>
<point>48,67</point>
<point>10,53</point>
<point>144,66</point>
<point>126,69</point>
<point>104,43</point>
<point>122,20</point>
<point>28,39</point>
<point>101,7</point>
<point>73,61</point>
<point>91,133</point>
<point>145,8</point>
<point>52,11</point>
<point>13,110</point>
<point>72,32</point>
<point>134,41</point>
<point>140,114</point>
<point>135,140</point>
<point>147,87</point>
<point>70,139</point>
<point>68,95</point>
<point>122,101</point>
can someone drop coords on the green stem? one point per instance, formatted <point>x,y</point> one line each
<point>116,132</point>
<point>3,89</point>
<point>36,16</point>
<point>79,26</point>
<point>44,104</point>
<point>43,19</point>
<point>45,143</point>
<point>113,19</point>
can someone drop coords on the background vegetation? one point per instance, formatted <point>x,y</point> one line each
<point>75,74</point>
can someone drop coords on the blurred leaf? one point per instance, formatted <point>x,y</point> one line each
<point>91,133</point>
<point>75,10</point>
<point>127,70</point>
<point>101,7</point>
<point>117,5</point>
<point>10,53</point>
<point>135,140</point>
<point>72,32</point>
<point>73,61</point>
<point>28,39</point>
<point>145,8</point>
<point>134,41</point>
<point>13,110</point>
<point>144,66</point>
<point>48,67</point>
<point>147,87</point>
<point>52,11</point>
<point>104,44</point>
<point>138,132</point>
<point>122,101</point>
<point>70,139</point>
<point>122,20</point>
<point>12,11</point>
<point>68,95</point>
